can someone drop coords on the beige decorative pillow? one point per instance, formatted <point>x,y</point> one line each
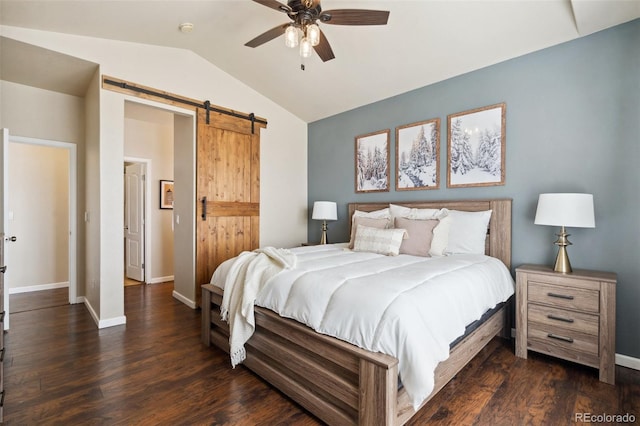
<point>381,241</point>
<point>380,223</point>
<point>420,235</point>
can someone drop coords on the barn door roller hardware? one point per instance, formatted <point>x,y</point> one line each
<point>206,105</point>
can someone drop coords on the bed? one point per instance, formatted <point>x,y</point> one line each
<point>339,382</point>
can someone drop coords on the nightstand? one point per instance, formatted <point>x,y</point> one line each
<point>569,316</point>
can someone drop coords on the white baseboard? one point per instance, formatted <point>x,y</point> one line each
<point>159,280</point>
<point>627,361</point>
<point>91,311</point>
<point>112,322</point>
<point>103,323</point>
<point>39,287</point>
<point>186,301</point>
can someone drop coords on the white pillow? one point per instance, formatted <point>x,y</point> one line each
<point>440,239</point>
<point>381,241</point>
<point>377,214</point>
<point>412,213</point>
<point>468,232</point>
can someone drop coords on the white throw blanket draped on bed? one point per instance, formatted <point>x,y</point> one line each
<point>246,274</point>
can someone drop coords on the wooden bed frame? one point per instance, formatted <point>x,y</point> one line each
<point>341,383</point>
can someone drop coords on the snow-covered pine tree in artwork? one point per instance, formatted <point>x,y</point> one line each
<point>461,153</point>
<point>489,151</point>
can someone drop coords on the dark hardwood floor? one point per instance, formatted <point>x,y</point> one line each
<point>21,302</point>
<point>60,369</point>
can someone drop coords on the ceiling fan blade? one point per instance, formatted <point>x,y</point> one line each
<point>273,4</point>
<point>355,17</point>
<point>267,36</point>
<point>323,49</point>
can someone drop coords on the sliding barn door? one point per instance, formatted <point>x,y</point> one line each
<point>228,191</point>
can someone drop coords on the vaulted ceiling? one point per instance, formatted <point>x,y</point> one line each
<point>425,41</point>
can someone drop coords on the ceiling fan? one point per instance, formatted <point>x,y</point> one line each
<point>304,30</point>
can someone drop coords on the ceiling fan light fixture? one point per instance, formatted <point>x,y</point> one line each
<point>313,34</point>
<point>305,47</point>
<point>291,36</point>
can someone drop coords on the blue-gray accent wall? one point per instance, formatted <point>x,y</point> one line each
<point>572,125</point>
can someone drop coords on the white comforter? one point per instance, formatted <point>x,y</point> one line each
<point>409,307</point>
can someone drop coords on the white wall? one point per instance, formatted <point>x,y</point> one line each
<point>283,143</point>
<point>39,214</point>
<point>91,209</point>
<point>148,134</point>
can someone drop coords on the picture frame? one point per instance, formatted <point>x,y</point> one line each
<point>476,146</point>
<point>418,155</point>
<point>372,153</point>
<point>166,194</point>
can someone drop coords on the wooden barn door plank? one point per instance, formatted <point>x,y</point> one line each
<point>228,178</point>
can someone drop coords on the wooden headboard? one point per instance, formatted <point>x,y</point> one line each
<point>498,243</point>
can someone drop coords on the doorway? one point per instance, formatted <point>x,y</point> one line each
<point>148,226</point>
<point>42,177</point>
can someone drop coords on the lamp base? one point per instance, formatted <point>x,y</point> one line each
<point>323,238</point>
<point>562,264</point>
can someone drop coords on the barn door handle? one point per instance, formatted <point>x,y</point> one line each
<point>204,208</point>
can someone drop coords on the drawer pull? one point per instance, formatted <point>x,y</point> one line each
<point>564,339</point>
<point>560,296</point>
<point>563,319</point>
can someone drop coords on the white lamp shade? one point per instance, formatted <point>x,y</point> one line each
<point>324,210</point>
<point>571,210</point>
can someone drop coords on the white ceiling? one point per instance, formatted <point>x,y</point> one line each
<point>425,41</point>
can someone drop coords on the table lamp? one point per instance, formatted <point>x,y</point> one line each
<point>324,210</point>
<point>571,210</point>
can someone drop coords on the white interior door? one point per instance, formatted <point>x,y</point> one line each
<point>134,221</point>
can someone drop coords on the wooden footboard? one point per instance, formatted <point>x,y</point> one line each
<point>336,381</point>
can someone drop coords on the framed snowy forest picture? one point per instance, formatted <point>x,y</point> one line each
<point>476,147</point>
<point>372,162</point>
<point>418,155</point>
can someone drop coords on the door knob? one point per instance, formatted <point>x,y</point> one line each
<point>12,239</point>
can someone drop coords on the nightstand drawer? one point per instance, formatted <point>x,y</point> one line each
<point>555,341</point>
<point>564,297</point>
<point>564,319</point>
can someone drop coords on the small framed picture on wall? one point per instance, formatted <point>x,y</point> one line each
<point>166,194</point>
